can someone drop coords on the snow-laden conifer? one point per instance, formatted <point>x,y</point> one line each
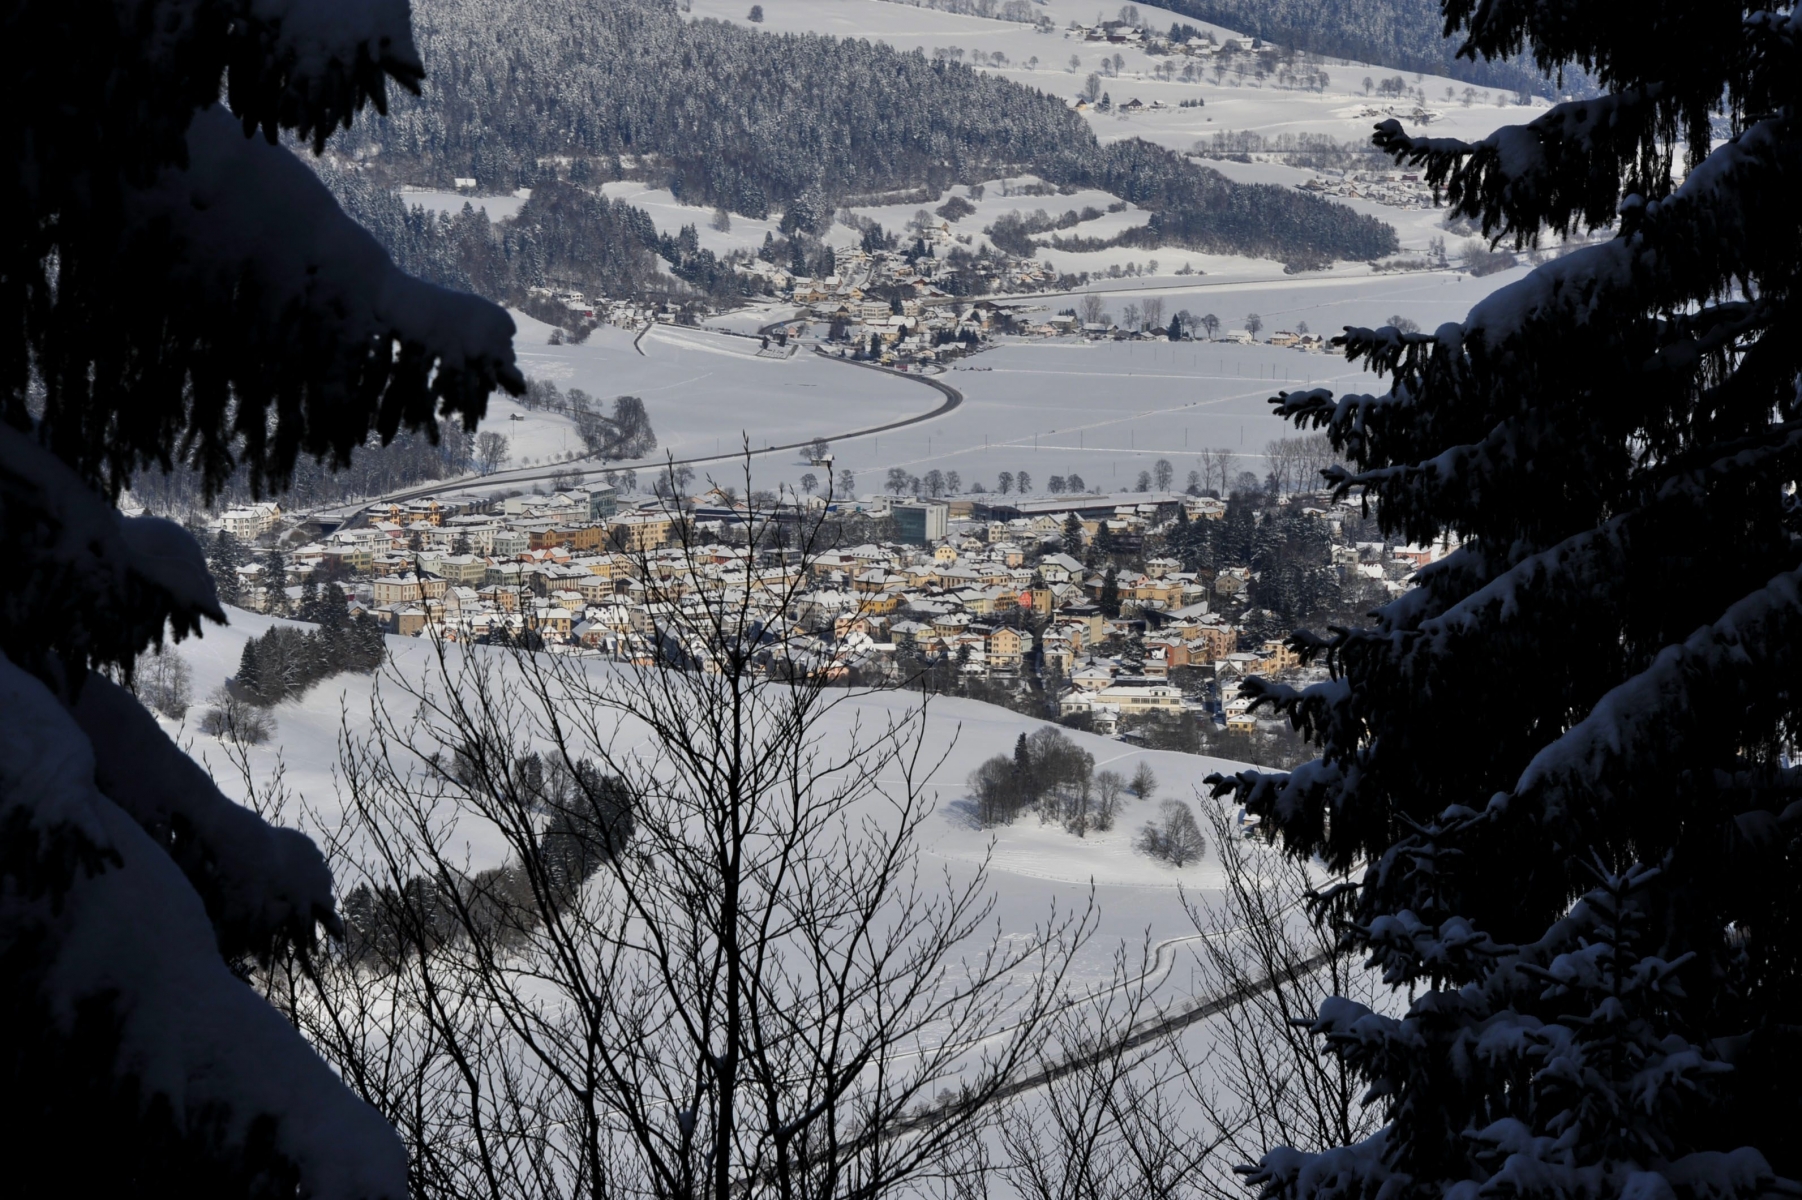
<point>1567,755</point>
<point>182,289</point>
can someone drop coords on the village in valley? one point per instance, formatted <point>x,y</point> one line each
<point>1091,608</point>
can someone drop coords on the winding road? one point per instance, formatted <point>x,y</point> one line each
<point>344,514</point>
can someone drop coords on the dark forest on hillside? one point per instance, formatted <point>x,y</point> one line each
<point>533,94</point>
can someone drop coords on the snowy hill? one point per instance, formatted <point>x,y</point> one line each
<point>1033,866</point>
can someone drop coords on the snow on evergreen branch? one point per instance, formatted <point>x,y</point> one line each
<point>132,939</point>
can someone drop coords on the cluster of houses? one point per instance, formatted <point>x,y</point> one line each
<point>628,314</point>
<point>1399,189</point>
<point>1121,33</point>
<point>985,585</point>
<point>920,323</point>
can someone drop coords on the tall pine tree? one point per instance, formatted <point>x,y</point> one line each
<point>180,288</point>
<point>1565,758</point>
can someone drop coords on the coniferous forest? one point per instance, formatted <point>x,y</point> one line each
<point>752,123</point>
<point>1402,34</point>
<point>1564,765</point>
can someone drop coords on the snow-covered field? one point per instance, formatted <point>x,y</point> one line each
<point>1342,109</point>
<point>1033,867</point>
<point>1104,410</point>
<point>706,392</point>
<point>1337,109</point>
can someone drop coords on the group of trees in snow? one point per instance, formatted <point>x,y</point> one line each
<point>1051,775</point>
<point>1313,151</point>
<point>285,662</point>
<point>410,457</point>
<point>1294,580</point>
<point>625,433</point>
<point>581,818</point>
<point>564,233</point>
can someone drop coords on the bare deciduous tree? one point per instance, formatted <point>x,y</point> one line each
<point>700,961</point>
<point>163,682</point>
<point>1140,1101</point>
<point>491,453</point>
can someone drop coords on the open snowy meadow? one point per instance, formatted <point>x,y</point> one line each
<point>1034,869</point>
<point>1099,409</point>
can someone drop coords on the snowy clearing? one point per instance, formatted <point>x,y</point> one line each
<point>1033,867</point>
<point>1103,410</point>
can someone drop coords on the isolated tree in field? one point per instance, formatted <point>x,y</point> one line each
<point>1143,483</point>
<point>935,483</point>
<point>1075,63</point>
<point>491,452</point>
<point>809,483</point>
<point>1109,786</point>
<point>1004,482</point>
<point>756,14</point>
<point>1091,87</point>
<point>897,480</point>
<point>847,482</point>
<point>1023,481</point>
<point>1055,485</point>
<point>186,294</point>
<point>818,449</point>
<point>954,482</point>
<point>1144,782</point>
<point>1571,746</point>
<point>722,221</point>
<point>1074,482</point>
<point>1164,473</point>
<point>1253,324</point>
<point>1404,324</point>
<point>164,682</point>
<point>1174,837</point>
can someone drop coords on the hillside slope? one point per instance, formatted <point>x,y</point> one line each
<point>521,93</point>
<point>1407,35</point>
